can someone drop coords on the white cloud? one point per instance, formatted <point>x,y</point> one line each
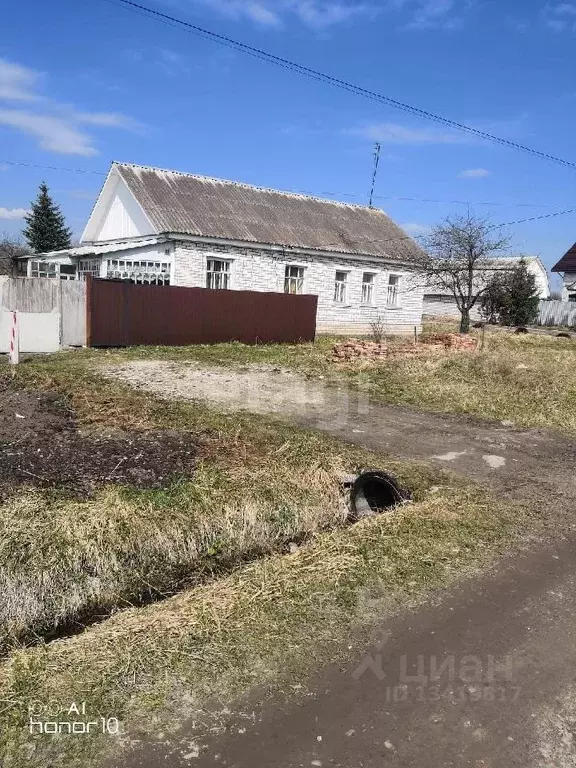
<point>474,173</point>
<point>415,229</point>
<point>13,213</point>
<point>318,14</point>
<point>560,17</point>
<point>54,134</point>
<point>57,127</point>
<point>17,82</point>
<point>393,133</point>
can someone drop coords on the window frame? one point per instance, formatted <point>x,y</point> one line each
<point>393,290</point>
<point>368,287</point>
<point>296,280</point>
<point>344,285</point>
<point>212,274</point>
<point>41,272</point>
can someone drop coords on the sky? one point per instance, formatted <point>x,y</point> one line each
<point>88,83</point>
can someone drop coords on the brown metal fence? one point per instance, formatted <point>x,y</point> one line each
<point>119,313</point>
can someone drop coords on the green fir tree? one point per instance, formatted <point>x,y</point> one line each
<point>46,228</point>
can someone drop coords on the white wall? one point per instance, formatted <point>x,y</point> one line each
<point>121,217</point>
<point>568,285</point>
<point>38,331</point>
<point>445,306</point>
<point>260,270</point>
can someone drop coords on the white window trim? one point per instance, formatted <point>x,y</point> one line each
<point>346,302</point>
<point>372,303</point>
<point>223,258</point>
<point>295,264</point>
<point>396,304</point>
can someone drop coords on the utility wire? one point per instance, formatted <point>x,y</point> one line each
<point>306,192</point>
<point>335,81</point>
<point>492,226</point>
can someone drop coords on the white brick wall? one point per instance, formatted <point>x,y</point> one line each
<point>260,270</point>
<point>445,306</point>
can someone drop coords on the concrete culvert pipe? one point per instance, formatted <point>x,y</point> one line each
<point>374,492</point>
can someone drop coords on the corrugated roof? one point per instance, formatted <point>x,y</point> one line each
<point>97,249</point>
<point>198,205</point>
<point>568,262</point>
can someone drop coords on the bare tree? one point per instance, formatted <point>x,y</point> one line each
<point>458,259</point>
<point>10,249</point>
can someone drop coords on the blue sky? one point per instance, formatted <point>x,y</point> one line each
<point>91,82</point>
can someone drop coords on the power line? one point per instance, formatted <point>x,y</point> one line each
<point>493,226</point>
<point>306,192</point>
<point>335,81</point>
<point>50,167</point>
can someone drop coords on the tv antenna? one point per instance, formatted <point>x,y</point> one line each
<point>374,172</point>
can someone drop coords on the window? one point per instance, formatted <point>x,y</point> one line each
<point>393,283</point>
<point>22,267</point>
<point>367,288</point>
<point>139,272</point>
<point>293,279</point>
<point>218,274</point>
<point>67,271</point>
<point>572,297</point>
<point>88,267</point>
<point>341,287</point>
<point>43,269</point>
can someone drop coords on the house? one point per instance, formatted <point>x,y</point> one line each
<point>155,226</point>
<point>567,266</point>
<point>443,304</point>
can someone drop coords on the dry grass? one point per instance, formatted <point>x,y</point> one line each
<point>257,486</point>
<point>265,623</point>
<point>527,379</point>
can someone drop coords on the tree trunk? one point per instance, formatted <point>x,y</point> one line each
<point>465,321</point>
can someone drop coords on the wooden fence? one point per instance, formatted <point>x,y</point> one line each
<point>119,313</point>
<point>557,313</point>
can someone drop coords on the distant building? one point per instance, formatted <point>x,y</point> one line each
<point>443,304</point>
<point>567,267</point>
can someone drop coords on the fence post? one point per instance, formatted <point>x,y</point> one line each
<point>14,355</point>
<point>88,281</point>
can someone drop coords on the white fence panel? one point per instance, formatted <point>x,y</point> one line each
<point>556,313</point>
<point>38,331</point>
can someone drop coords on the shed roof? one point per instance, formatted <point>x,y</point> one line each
<point>199,205</point>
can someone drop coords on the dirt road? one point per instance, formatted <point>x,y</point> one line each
<point>485,676</point>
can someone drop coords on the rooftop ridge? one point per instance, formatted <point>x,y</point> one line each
<point>245,185</point>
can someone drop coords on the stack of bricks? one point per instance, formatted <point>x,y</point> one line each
<point>455,342</point>
<point>354,349</point>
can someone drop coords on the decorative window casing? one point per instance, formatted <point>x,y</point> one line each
<point>367,296</point>
<point>218,274</point>
<point>140,272</point>
<point>341,287</point>
<point>43,269</point>
<point>393,287</point>
<point>88,267</point>
<point>293,279</point>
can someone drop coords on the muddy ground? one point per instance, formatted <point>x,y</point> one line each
<point>41,445</point>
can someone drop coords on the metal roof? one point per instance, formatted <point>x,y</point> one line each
<point>97,249</point>
<point>184,203</point>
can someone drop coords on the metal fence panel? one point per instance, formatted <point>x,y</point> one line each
<point>120,313</point>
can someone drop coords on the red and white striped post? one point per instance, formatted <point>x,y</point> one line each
<point>14,340</point>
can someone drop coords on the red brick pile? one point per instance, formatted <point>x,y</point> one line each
<point>355,349</point>
<point>455,342</point>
